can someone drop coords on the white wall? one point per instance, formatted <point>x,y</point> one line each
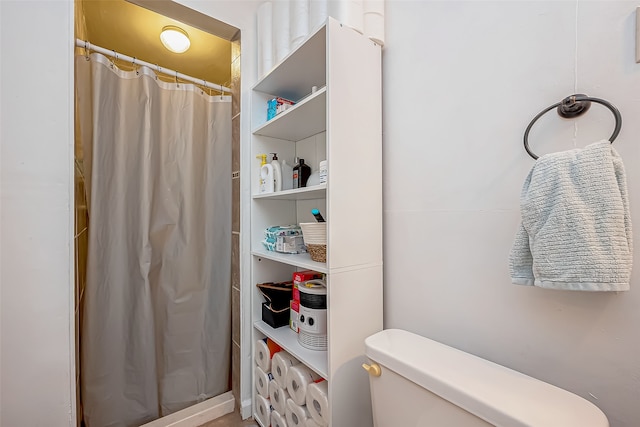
<point>36,105</point>
<point>461,82</point>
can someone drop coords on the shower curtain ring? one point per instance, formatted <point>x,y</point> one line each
<point>115,55</point>
<point>177,84</point>
<point>86,50</point>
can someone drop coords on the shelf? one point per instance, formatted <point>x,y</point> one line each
<point>288,340</point>
<point>301,69</point>
<point>298,260</point>
<point>338,122</point>
<point>304,119</point>
<point>257,420</point>
<point>307,193</point>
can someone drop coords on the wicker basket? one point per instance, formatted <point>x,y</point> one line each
<point>318,252</point>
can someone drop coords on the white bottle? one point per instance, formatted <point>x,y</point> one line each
<point>277,173</point>
<point>266,174</point>
<point>323,171</point>
<point>287,176</point>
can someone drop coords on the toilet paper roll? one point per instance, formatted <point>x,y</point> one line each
<point>311,423</point>
<point>265,38</point>
<point>277,419</point>
<point>280,364</point>
<point>373,6</point>
<point>298,22</point>
<point>297,416</point>
<point>349,13</point>
<point>262,380</point>
<point>298,378</point>
<point>373,20</point>
<point>278,397</point>
<point>263,410</point>
<point>317,13</point>
<point>318,402</point>
<point>281,27</point>
<point>264,351</point>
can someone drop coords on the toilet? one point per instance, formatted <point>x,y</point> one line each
<point>418,382</point>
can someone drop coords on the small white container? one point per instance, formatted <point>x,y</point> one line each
<point>323,171</point>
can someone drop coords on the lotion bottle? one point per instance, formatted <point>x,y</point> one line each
<point>277,172</point>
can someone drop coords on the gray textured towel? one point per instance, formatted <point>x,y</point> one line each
<point>576,225</point>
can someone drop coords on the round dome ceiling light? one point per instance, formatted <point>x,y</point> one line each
<point>175,39</point>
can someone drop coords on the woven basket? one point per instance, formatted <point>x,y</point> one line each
<point>318,252</point>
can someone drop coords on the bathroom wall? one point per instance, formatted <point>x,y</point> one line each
<point>462,80</point>
<point>36,273</point>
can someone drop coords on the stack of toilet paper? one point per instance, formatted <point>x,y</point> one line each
<point>289,394</point>
<point>308,403</point>
<point>281,363</point>
<point>262,411</point>
<point>282,25</point>
<point>317,401</point>
<point>264,352</point>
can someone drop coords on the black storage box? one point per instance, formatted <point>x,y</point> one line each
<point>275,312</point>
<point>275,319</point>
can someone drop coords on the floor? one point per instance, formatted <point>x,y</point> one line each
<point>231,420</point>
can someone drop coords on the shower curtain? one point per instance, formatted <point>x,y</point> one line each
<point>157,161</point>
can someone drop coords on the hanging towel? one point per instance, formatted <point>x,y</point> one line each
<point>575,232</point>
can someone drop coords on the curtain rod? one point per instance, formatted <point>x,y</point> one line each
<point>116,55</point>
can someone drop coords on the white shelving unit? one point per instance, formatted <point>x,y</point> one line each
<point>339,122</point>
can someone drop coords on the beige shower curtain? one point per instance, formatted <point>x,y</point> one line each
<point>156,330</point>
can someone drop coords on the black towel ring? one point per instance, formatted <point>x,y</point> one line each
<point>573,106</point>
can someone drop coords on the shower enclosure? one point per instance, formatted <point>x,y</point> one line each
<point>155,158</point>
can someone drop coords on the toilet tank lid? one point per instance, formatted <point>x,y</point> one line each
<point>498,395</point>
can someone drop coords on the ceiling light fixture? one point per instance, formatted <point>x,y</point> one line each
<point>175,39</point>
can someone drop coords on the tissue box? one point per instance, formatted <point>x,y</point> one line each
<point>303,276</point>
<point>284,238</point>
<point>272,233</point>
<point>290,244</point>
<point>276,106</point>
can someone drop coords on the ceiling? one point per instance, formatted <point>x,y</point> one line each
<point>135,31</point>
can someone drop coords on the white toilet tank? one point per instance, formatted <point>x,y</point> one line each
<point>426,383</point>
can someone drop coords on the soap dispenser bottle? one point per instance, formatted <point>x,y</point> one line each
<point>277,172</point>
<point>301,173</point>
